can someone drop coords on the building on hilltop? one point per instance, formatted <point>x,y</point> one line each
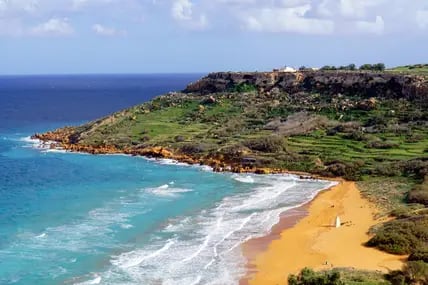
<point>285,69</point>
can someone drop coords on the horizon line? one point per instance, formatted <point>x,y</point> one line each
<point>99,73</point>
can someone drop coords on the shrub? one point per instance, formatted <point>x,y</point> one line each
<point>377,120</point>
<point>267,144</point>
<point>403,236</point>
<point>391,242</point>
<point>381,144</point>
<point>179,139</point>
<point>416,272</point>
<point>351,67</point>
<point>396,277</point>
<point>388,169</point>
<point>355,135</point>
<point>349,127</point>
<point>373,67</point>
<point>328,67</point>
<point>192,148</point>
<point>401,213</point>
<point>417,168</point>
<point>331,132</point>
<point>378,66</point>
<point>349,171</point>
<point>421,255</point>
<point>234,151</point>
<point>309,277</point>
<point>366,67</point>
<point>243,88</point>
<point>414,138</point>
<point>418,196</point>
<point>348,67</point>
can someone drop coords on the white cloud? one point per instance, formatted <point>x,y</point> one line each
<point>286,20</point>
<point>27,6</point>
<point>422,18</point>
<point>323,9</point>
<point>79,4</point>
<point>106,31</point>
<point>358,8</point>
<point>182,11</point>
<point>53,27</point>
<point>376,27</point>
<point>342,17</point>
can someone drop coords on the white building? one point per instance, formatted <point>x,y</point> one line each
<point>285,69</point>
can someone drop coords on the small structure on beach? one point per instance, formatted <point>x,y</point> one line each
<point>337,223</point>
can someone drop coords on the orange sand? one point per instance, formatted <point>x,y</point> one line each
<point>313,241</point>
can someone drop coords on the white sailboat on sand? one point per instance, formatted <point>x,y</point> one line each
<point>337,223</point>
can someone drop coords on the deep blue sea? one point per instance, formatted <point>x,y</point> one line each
<point>81,219</point>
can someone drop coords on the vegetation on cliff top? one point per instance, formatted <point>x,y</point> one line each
<point>360,126</point>
<point>412,69</point>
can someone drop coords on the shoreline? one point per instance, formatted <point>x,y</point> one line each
<point>53,140</point>
<point>256,246</point>
<point>255,249</point>
<point>52,146</point>
<point>308,236</point>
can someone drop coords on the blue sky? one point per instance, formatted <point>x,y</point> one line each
<point>144,36</point>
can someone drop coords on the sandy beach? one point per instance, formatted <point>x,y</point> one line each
<point>306,237</point>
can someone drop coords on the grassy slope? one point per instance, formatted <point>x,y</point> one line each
<point>421,69</point>
<point>238,121</point>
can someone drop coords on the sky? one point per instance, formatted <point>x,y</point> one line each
<point>182,36</point>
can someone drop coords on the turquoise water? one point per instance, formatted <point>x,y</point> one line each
<point>81,219</point>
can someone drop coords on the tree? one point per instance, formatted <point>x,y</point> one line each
<point>373,67</point>
<point>379,66</point>
<point>366,67</point>
<point>328,67</point>
<point>351,67</point>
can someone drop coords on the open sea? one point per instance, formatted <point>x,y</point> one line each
<point>81,219</point>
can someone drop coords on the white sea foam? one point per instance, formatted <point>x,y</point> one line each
<point>35,143</point>
<point>205,168</point>
<point>126,226</point>
<point>96,280</point>
<point>206,247</point>
<point>166,191</point>
<point>167,161</point>
<point>177,224</point>
<point>243,179</point>
<point>136,258</point>
<point>56,150</point>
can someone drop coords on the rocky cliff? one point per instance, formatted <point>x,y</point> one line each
<point>355,83</point>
